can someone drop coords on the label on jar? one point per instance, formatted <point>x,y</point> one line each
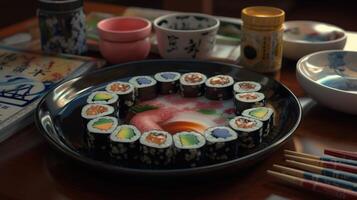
<point>261,51</point>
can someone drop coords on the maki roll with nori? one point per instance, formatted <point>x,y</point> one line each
<point>91,111</point>
<point>219,87</point>
<point>246,86</point>
<point>145,87</point>
<point>124,143</point>
<point>126,95</point>
<point>249,131</point>
<point>104,97</point>
<point>189,149</point>
<point>98,131</point>
<point>222,143</point>
<point>264,114</point>
<point>156,149</point>
<point>167,82</point>
<point>192,84</point>
<point>243,101</point>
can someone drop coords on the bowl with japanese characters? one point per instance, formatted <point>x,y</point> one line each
<point>186,35</point>
<point>304,37</point>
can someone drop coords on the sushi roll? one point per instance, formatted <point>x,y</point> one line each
<point>219,87</point>
<point>249,131</point>
<point>145,87</point>
<point>222,143</point>
<point>246,86</point>
<point>167,82</point>
<point>126,95</point>
<point>98,131</point>
<point>124,143</point>
<point>91,111</point>
<point>192,84</point>
<point>156,149</point>
<point>243,101</point>
<point>264,114</point>
<point>189,149</point>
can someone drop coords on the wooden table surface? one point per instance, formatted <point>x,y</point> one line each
<point>29,169</point>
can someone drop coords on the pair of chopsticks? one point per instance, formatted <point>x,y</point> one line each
<point>334,176</point>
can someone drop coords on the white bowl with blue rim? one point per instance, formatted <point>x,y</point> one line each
<point>304,37</point>
<point>330,77</point>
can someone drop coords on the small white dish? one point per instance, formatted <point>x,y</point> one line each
<point>304,37</point>
<point>330,77</point>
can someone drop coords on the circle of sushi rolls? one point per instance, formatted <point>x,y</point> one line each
<point>91,111</point>
<point>156,148</point>
<point>98,131</point>
<point>192,84</point>
<point>249,131</point>
<point>243,101</point>
<point>264,114</point>
<point>246,86</point>
<point>124,143</point>
<point>126,95</point>
<point>145,87</point>
<point>189,149</point>
<point>222,143</point>
<point>167,82</point>
<point>219,87</point>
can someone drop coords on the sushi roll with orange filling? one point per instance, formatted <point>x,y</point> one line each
<point>249,131</point>
<point>189,149</point>
<point>219,87</point>
<point>246,86</point>
<point>98,131</point>
<point>105,98</point>
<point>126,95</point>
<point>92,111</point>
<point>192,84</point>
<point>156,149</point>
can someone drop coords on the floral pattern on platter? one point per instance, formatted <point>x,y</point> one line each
<point>63,33</point>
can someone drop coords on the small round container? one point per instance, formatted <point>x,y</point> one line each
<point>62,26</point>
<point>186,35</point>
<point>124,39</point>
<point>262,38</point>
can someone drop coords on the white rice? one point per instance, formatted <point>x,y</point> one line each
<point>260,97</point>
<point>258,124</point>
<point>265,118</point>
<point>91,129</point>
<point>208,82</point>
<point>113,136</point>
<point>208,134</point>
<point>167,143</point>
<point>131,88</point>
<point>111,101</point>
<point>184,82</point>
<point>177,141</point>
<point>238,89</point>
<point>159,78</point>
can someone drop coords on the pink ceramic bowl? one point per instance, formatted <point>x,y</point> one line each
<point>124,39</point>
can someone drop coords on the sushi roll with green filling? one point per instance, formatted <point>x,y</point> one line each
<point>145,87</point>
<point>98,131</point>
<point>249,131</point>
<point>192,84</point>
<point>222,143</point>
<point>91,111</point>
<point>246,86</point>
<point>219,87</point>
<point>124,143</point>
<point>243,101</point>
<point>167,82</point>
<point>126,95</point>
<point>189,149</point>
<point>264,114</point>
<point>156,149</point>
